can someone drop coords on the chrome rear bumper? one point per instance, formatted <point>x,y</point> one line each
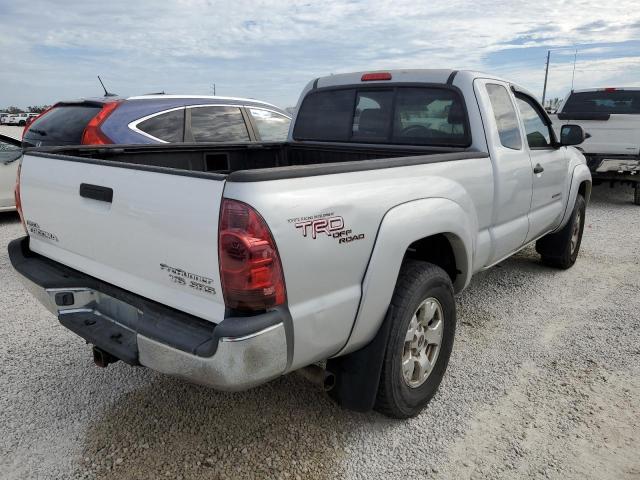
<point>236,354</point>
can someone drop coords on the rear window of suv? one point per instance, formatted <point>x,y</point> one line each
<point>433,116</point>
<point>603,101</point>
<point>62,125</point>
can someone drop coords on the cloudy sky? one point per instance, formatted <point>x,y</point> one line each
<point>269,49</point>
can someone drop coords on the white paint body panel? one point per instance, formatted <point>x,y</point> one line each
<point>154,218</point>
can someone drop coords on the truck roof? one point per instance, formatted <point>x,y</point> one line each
<point>425,75</point>
<point>604,89</point>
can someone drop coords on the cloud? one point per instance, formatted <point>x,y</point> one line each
<point>269,49</point>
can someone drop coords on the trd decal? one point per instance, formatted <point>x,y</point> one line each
<point>187,279</point>
<point>34,229</point>
<point>322,225</point>
<point>325,224</point>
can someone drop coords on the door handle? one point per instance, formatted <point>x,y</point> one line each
<point>538,169</point>
<point>96,192</point>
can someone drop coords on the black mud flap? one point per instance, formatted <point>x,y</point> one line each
<point>358,373</point>
<point>104,333</point>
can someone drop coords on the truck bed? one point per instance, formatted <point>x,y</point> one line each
<point>228,158</point>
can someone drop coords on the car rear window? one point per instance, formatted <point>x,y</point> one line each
<point>396,115</point>
<point>603,101</point>
<point>62,125</point>
<point>168,126</point>
<point>218,124</point>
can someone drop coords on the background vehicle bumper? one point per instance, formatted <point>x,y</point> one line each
<point>612,164</point>
<point>235,354</point>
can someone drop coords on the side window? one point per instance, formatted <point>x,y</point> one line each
<point>538,134</point>
<point>218,124</point>
<point>166,126</point>
<point>505,115</point>
<point>271,126</point>
<point>372,116</point>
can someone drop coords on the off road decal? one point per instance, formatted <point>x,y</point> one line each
<point>327,224</point>
<point>188,279</point>
<point>34,229</point>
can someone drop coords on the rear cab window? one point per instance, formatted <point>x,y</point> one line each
<point>608,101</point>
<point>62,125</point>
<point>401,115</point>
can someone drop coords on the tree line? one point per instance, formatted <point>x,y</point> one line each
<point>29,109</point>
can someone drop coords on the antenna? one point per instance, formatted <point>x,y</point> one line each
<point>106,93</point>
<point>573,75</point>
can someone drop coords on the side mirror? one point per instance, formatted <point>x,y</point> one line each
<point>572,135</point>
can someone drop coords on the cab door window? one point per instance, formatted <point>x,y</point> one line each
<point>505,116</point>
<point>538,132</point>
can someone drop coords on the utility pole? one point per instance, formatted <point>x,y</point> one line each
<point>546,75</point>
<point>213,87</point>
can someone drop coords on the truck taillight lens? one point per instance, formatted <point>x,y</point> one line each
<point>92,134</point>
<point>16,193</point>
<point>250,267</point>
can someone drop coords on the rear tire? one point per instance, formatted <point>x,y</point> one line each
<point>411,376</point>
<point>636,194</point>
<point>561,249</point>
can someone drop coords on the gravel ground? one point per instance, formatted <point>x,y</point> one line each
<point>544,382</point>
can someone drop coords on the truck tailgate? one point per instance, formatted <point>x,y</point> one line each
<point>125,240</point>
<point>619,135</point>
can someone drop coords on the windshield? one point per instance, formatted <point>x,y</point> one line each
<point>604,101</point>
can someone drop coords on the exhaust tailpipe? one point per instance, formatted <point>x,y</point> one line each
<point>319,376</point>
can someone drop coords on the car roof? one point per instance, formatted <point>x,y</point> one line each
<point>193,99</point>
<point>182,100</point>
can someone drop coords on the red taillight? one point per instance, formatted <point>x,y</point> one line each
<point>250,267</point>
<point>31,120</point>
<point>610,89</point>
<point>92,134</point>
<point>369,77</point>
<point>18,198</point>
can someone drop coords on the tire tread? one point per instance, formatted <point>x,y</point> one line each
<point>412,274</point>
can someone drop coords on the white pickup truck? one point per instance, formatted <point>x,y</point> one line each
<point>230,265</point>
<point>611,118</point>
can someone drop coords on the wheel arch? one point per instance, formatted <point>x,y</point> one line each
<point>436,230</point>
<point>581,183</point>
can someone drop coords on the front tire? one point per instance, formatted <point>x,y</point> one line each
<point>423,323</point>
<point>561,249</point>
<point>636,194</point>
